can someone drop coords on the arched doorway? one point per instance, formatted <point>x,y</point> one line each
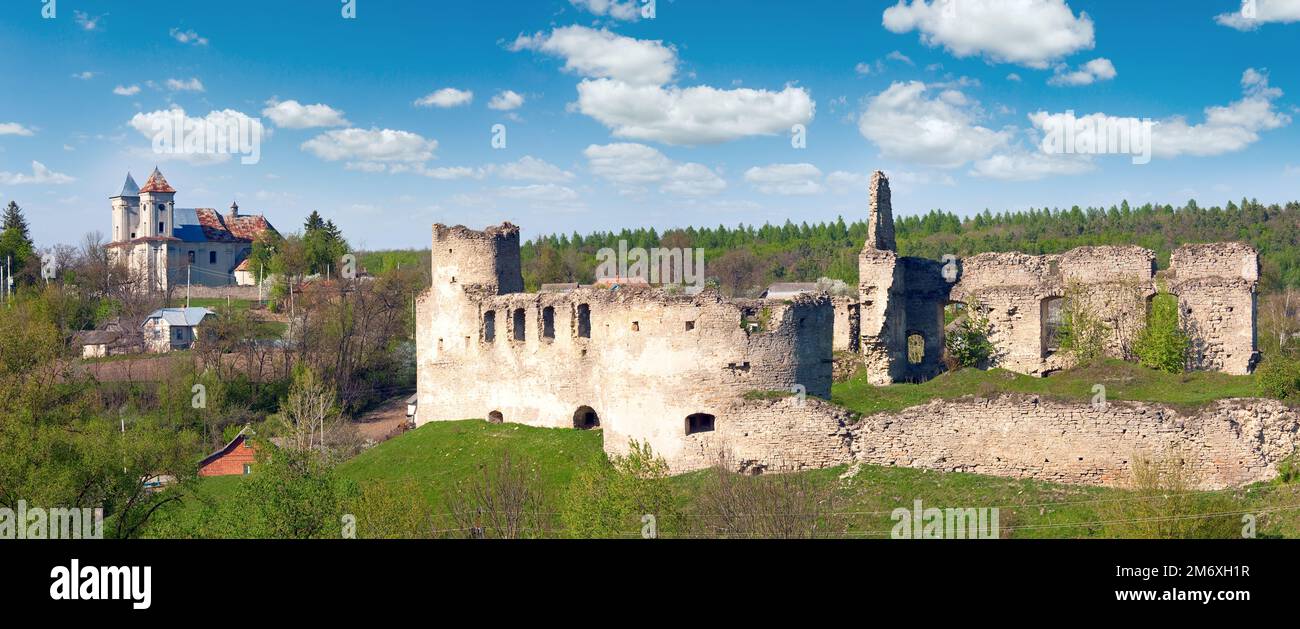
<point>585,418</point>
<point>496,417</point>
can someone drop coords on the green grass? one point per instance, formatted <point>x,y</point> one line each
<point>1123,381</point>
<point>436,456</point>
<point>212,303</point>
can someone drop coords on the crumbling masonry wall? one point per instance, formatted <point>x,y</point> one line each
<point>1226,444</point>
<point>1022,296</point>
<point>641,359</point>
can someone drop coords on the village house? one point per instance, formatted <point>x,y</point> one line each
<point>234,458</point>
<point>167,329</point>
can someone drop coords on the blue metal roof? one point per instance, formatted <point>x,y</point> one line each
<point>187,226</point>
<point>180,316</point>
<point>129,189</point>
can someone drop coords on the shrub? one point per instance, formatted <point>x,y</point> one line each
<point>1162,344</point>
<point>1081,332</point>
<point>1163,504</point>
<point>967,343</point>
<point>1278,377</point>
<point>612,499</point>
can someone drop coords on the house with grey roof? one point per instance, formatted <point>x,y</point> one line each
<point>167,329</point>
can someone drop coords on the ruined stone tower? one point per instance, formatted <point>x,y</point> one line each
<point>880,215</point>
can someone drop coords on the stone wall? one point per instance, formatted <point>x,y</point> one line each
<point>1228,443</point>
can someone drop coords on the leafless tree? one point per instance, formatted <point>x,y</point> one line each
<point>504,502</point>
<point>733,505</point>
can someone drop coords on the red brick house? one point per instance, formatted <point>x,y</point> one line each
<point>236,457</point>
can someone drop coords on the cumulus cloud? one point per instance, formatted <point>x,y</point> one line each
<point>445,98</point>
<point>191,85</point>
<point>786,179</point>
<point>1030,165</point>
<point>1226,128</point>
<point>906,123</point>
<point>1031,33</point>
<point>84,76</point>
<point>371,145</point>
<point>633,166</point>
<point>595,53</point>
<point>13,128</point>
<point>617,9</point>
<point>1099,69</point>
<point>692,115</point>
<point>529,168</point>
<point>506,100</point>
<point>188,37</point>
<point>40,175</point>
<point>291,114</point>
<point>1256,13</point>
<point>543,192</point>
<point>123,90</point>
<point>163,121</point>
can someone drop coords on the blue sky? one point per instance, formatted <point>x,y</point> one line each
<point>385,122</point>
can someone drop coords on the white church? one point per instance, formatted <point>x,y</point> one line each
<point>172,244</point>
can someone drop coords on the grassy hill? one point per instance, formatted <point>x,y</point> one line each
<point>858,501</point>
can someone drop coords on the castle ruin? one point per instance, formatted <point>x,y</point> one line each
<point>688,374</point>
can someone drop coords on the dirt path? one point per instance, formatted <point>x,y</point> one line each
<point>384,422</point>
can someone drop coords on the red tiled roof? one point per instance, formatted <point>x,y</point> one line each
<point>217,228</point>
<point>245,265</point>
<point>157,183</point>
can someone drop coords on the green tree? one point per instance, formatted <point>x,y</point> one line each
<point>967,342</point>
<point>612,499</point>
<point>1163,344</point>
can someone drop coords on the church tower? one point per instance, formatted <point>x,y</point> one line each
<point>125,205</point>
<point>157,207</point>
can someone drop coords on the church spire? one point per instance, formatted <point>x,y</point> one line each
<point>129,189</point>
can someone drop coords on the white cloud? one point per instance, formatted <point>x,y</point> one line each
<point>1013,77</point>
<point>506,100</point>
<point>601,54</point>
<point>939,131</point>
<point>1255,13</point>
<point>123,90</point>
<point>898,56</point>
<point>546,192</point>
<point>617,9</point>
<point>693,115</point>
<point>371,145</point>
<point>291,114</point>
<point>188,37</point>
<point>786,179</point>
<point>1030,165</point>
<point>841,180</point>
<point>40,175</point>
<point>84,76</point>
<point>191,85</point>
<point>632,165</point>
<point>150,124</point>
<point>85,21</point>
<point>1099,69</point>
<point>529,168</point>
<point>1025,32</point>
<point>1226,128</point>
<point>446,97</point>
<point>863,68</point>
<point>13,128</point>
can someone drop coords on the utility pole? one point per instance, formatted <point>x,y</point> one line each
<point>187,285</point>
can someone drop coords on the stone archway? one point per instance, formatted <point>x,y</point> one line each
<point>586,418</point>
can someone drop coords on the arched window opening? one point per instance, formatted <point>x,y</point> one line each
<point>585,418</point>
<point>496,417</point>
<point>519,323</point>
<point>915,348</point>
<point>1051,318</point>
<point>584,321</point>
<point>700,422</point>
<point>548,322</point>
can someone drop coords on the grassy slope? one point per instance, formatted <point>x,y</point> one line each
<point>438,455</point>
<point>1123,381</point>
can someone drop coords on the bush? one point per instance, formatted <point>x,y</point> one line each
<point>1162,344</point>
<point>1278,377</point>
<point>612,500</point>
<point>1163,504</point>
<point>1081,333</point>
<point>968,344</point>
